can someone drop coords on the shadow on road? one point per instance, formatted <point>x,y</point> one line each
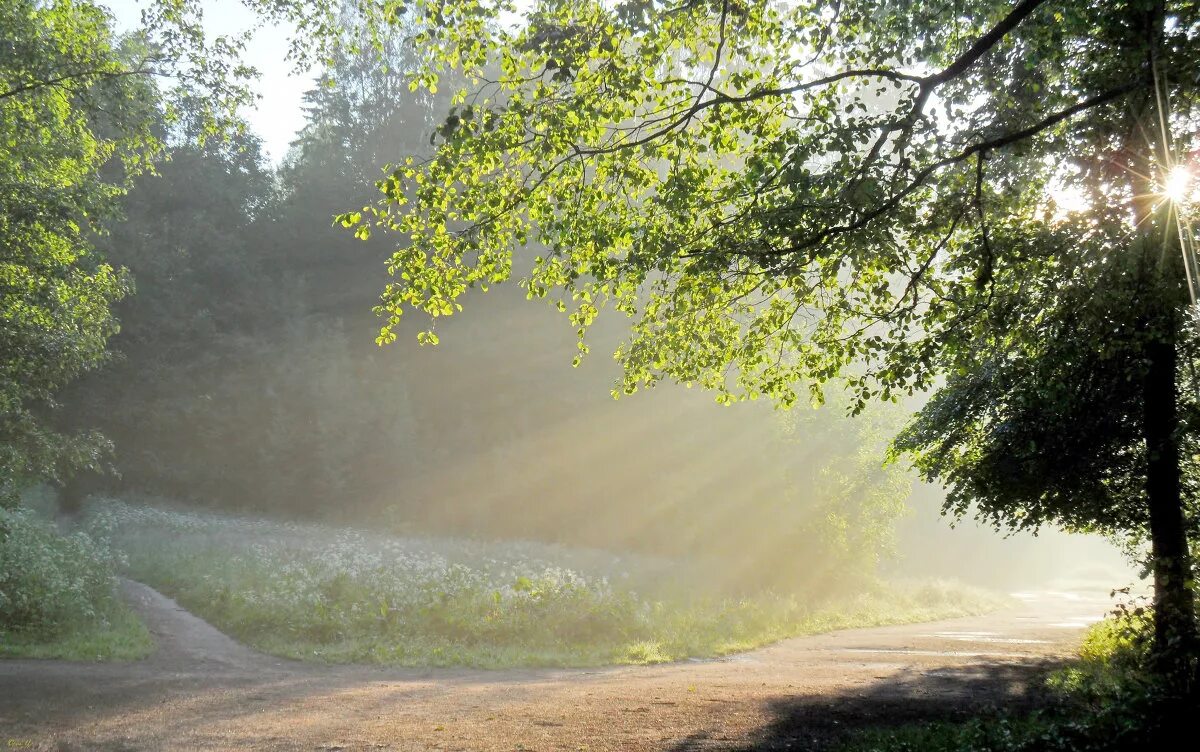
<point>911,696</point>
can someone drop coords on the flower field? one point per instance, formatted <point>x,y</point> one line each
<point>316,592</point>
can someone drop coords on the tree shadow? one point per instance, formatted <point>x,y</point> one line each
<point>818,721</point>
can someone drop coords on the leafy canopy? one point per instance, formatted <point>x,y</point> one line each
<point>776,194</point>
<point>54,310</point>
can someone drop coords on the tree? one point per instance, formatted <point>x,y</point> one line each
<point>361,113</point>
<point>238,380</point>
<point>1058,428</point>
<point>56,137</point>
<point>83,113</point>
<point>784,196</point>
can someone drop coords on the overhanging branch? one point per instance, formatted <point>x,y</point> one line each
<point>930,170</point>
<point>60,80</point>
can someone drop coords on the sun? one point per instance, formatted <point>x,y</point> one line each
<point>1178,185</point>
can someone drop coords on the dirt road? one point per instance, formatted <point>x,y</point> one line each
<point>202,690</point>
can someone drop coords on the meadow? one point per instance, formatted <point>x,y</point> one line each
<point>315,592</point>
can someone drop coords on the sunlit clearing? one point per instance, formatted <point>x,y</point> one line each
<point>1178,184</point>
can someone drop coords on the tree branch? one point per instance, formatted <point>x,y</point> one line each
<point>985,271</point>
<point>985,42</point>
<point>983,146</point>
<point>926,86</point>
<point>33,85</point>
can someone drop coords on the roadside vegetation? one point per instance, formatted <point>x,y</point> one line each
<point>58,595</point>
<point>314,592</point>
<point>1107,700</point>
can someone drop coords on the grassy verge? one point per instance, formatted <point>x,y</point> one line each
<point>121,636</point>
<point>57,596</point>
<point>670,629</point>
<point>1104,702</point>
<point>328,594</point>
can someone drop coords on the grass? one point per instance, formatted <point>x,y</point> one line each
<point>121,636</point>
<point>684,628</point>
<point>330,594</point>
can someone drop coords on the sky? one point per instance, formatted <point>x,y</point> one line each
<point>279,113</point>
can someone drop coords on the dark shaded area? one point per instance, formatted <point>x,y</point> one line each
<point>946,694</point>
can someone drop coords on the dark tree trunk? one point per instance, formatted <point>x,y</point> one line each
<point>1174,602</point>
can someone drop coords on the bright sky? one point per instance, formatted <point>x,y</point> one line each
<point>279,113</point>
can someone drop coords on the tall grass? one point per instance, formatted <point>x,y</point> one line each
<point>331,594</point>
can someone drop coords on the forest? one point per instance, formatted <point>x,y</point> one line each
<point>572,334</point>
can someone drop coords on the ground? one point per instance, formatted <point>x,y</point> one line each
<point>202,690</point>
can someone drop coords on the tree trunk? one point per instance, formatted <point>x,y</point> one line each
<point>1174,601</point>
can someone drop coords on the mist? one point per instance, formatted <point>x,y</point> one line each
<point>247,379</point>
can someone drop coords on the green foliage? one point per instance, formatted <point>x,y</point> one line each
<point>81,116</point>
<point>842,496</point>
<point>57,595</point>
<point>239,376</point>
<point>1120,642</point>
<point>1050,430</point>
<point>225,340</point>
<point>783,196</point>
<point>1114,660</point>
<point>766,190</point>
<point>339,595</point>
<point>360,114</point>
<point>54,311</point>
<point>50,581</point>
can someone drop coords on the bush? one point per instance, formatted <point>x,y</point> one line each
<point>1113,659</point>
<point>49,583</point>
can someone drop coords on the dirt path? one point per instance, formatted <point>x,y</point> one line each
<point>202,690</point>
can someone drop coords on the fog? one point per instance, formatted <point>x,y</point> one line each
<point>248,379</point>
<point>930,546</point>
<point>493,435</point>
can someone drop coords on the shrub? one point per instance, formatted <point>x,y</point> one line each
<point>51,583</point>
<point>1113,658</point>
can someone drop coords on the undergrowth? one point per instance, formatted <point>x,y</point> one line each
<point>57,595</point>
